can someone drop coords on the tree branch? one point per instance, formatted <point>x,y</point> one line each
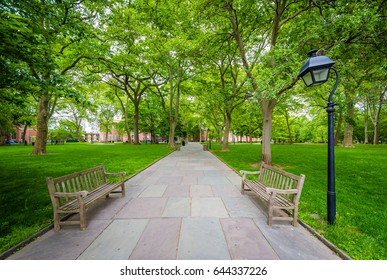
<point>296,14</point>
<point>287,86</point>
<point>72,65</point>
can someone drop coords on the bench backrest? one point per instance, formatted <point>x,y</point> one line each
<point>279,179</point>
<point>85,180</point>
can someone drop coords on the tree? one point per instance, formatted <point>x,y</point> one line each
<point>75,111</point>
<point>232,93</point>
<point>248,119</point>
<point>277,60</point>
<point>354,34</point>
<point>49,36</point>
<point>152,118</point>
<point>375,100</point>
<point>106,114</point>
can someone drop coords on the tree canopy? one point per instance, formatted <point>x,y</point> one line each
<point>168,67</point>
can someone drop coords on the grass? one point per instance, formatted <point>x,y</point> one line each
<point>25,205</point>
<point>360,228</point>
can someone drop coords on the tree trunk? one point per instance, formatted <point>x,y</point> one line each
<point>348,131</point>
<point>226,132</point>
<point>125,109</point>
<point>376,118</point>
<point>24,133</point>
<point>171,138</point>
<point>220,137</point>
<point>174,102</point>
<point>135,124</point>
<point>338,128</point>
<point>42,125</point>
<point>376,133</point>
<point>267,115</point>
<point>348,136</point>
<point>366,124</point>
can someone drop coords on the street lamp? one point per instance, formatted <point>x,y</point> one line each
<point>316,71</point>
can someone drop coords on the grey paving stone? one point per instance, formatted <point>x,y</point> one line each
<point>245,240</point>
<point>242,207</point>
<point>189,180</point>
<point>235,179</point>
<point>294,243</point>
<point>170,180</point>
<point>226,191</point>
<point>117,241</point>
<point>201,190</point>
<point>208,207</point>
<point>159,240</point>
<point>195,173</point>
<point>154,191</point>
<point>177,207</point>
<point>143,207</point>
<point>67,244</point>
<point>134,190</point>
<point>202,239</point>
<point>177,191</point>
<point>106,208</point>
<point>213,180</point>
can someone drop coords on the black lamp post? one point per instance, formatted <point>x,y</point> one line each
<point>316,71</point>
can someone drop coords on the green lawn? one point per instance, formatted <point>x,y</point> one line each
<point>25,205</point>
<point>360,227</point>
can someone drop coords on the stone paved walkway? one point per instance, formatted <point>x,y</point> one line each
<point>186,206</point>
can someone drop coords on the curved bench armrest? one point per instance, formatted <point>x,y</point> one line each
<point>244,173</point>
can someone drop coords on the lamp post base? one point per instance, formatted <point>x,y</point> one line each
<point>331,199</point>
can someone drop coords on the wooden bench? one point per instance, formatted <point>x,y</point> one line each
<point>279,189</point>
<point>75,192</point>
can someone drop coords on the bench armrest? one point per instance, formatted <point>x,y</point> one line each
<point>244,173</point>
<point>74,194</point>
<point>120,174</point>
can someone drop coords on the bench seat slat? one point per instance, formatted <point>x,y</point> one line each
<point>260,189</point>
<point>91,197</point>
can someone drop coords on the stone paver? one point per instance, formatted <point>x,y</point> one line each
<point>154,191</point>
<point>246,241</point>
<point>202,239</point>
<point>178,207</point>
<point>208,207</point>
<point>187,206</point>
<point>117,241</point>
<point>162,234</point>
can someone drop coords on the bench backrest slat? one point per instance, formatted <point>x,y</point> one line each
<point>279,179</point>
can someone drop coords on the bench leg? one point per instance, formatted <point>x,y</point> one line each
<point>56,222</point>
<point>123,189</point>
<point>270,212</point>
<point>295,217</point>
<point>243,188</point>
<point>82,218</point>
